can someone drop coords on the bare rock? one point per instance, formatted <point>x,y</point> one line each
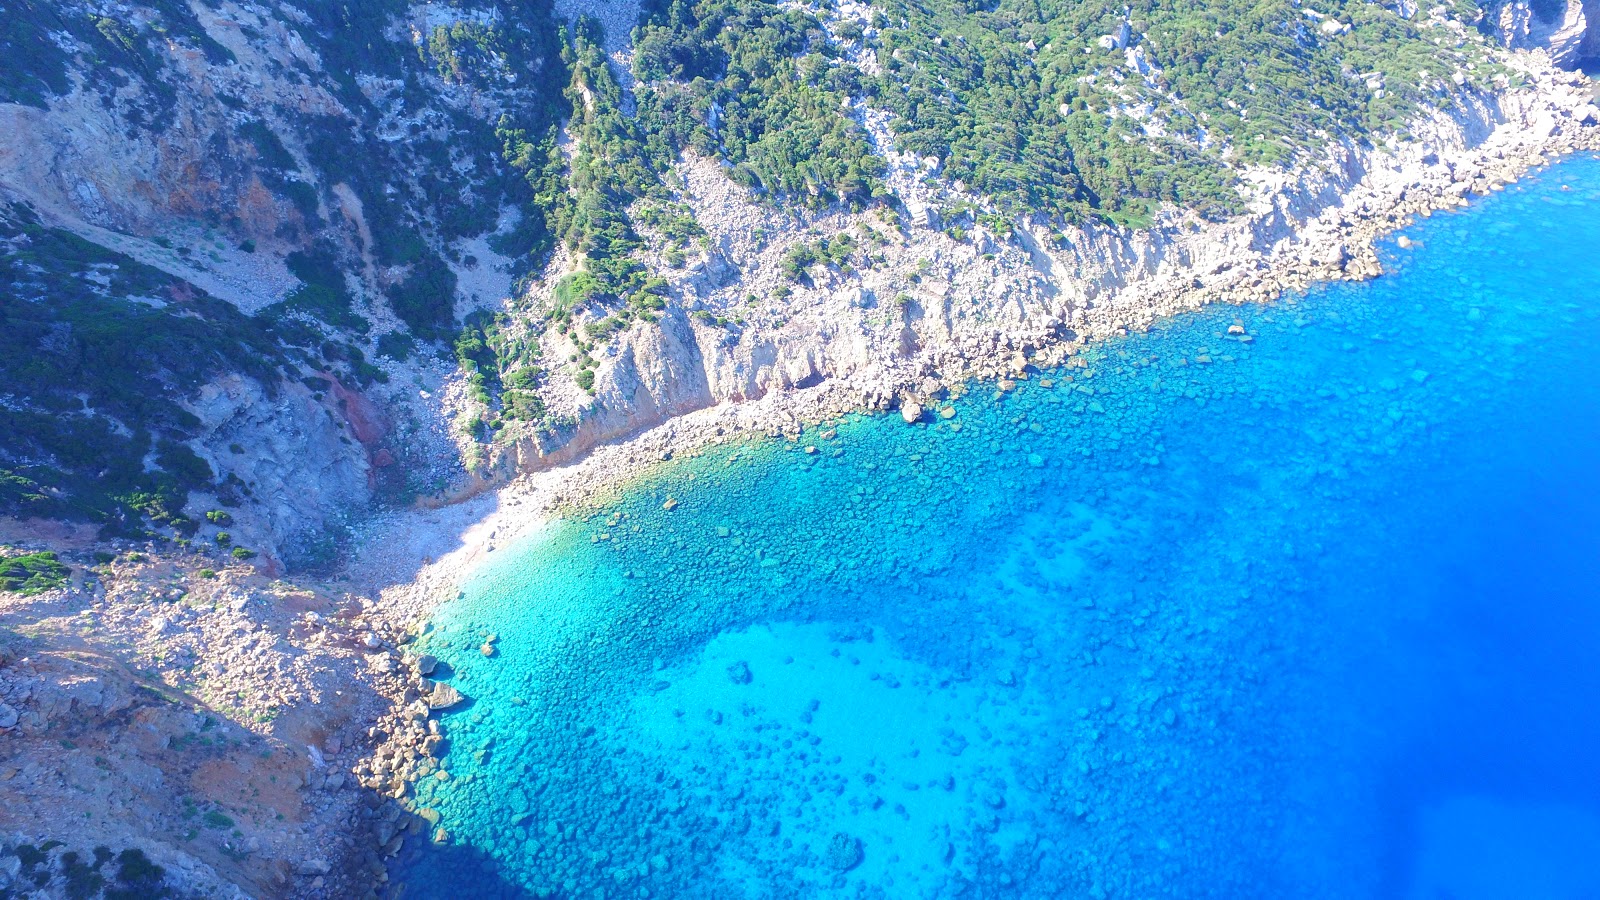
<point>444,696</point>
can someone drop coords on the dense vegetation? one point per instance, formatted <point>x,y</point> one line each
<point>761,86</point>
<point>1073,109</point>
<point>1025,102</point>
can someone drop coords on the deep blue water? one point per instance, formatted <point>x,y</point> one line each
<point>1309,612</point>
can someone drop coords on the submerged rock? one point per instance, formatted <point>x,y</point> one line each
<point>844,852</point>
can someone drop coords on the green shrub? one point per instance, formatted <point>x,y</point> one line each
<point>322,291</point>
<point>397,346</point>
<point>137,877</point>
<point>426,299</point>
<point>33,573</point>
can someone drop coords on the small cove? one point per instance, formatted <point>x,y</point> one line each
<point>1298,599</point>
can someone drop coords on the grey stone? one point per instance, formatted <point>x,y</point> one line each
<point>444,696</point>
<point>312,867</point>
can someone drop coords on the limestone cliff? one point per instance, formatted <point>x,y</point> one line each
<point>1564,29</point>
<point>382,207</point>
<point>931,309</point>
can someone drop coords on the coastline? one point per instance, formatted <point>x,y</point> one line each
<point>1317,223</point>
<point>1337,244</point>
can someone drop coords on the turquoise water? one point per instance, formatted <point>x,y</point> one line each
<point>1312,611</point>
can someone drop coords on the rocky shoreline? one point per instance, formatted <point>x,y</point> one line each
<point>1371,193</point>
<point>322,676</point>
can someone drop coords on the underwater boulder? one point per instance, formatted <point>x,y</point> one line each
<point>844,852</point>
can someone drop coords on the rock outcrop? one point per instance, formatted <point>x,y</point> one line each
<point>1564,29</point>
<point>1589,48</point>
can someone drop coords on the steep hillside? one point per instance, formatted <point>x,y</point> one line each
<point>229,226</point>
<point>273,264</point>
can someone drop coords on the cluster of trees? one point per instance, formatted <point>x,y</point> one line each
<point>757,84</point>
<point>827,251</point>
<point>500,358</point>
<point>1015,97</point>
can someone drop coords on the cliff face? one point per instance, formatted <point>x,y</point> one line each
<point>930,309</point>
<point>267,267</point>
<point>1589,49</point>
<point>1565,29</point>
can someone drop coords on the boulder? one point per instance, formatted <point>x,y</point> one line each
<point>844,852</point>
<point>444,696</point>
<point>313,867</point>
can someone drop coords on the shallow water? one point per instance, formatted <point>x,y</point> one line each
<point>1313,613</point>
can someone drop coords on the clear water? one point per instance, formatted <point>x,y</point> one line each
<point>1317,618</point>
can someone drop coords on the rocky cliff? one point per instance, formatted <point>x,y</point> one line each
<point>331,175</point>
<point>1568,30</point>
<point>922,309</point>
<point>460,258</point>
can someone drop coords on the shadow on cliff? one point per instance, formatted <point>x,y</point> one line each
<point>428,871</point>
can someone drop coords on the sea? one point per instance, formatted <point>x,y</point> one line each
<point>1293,600</point>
